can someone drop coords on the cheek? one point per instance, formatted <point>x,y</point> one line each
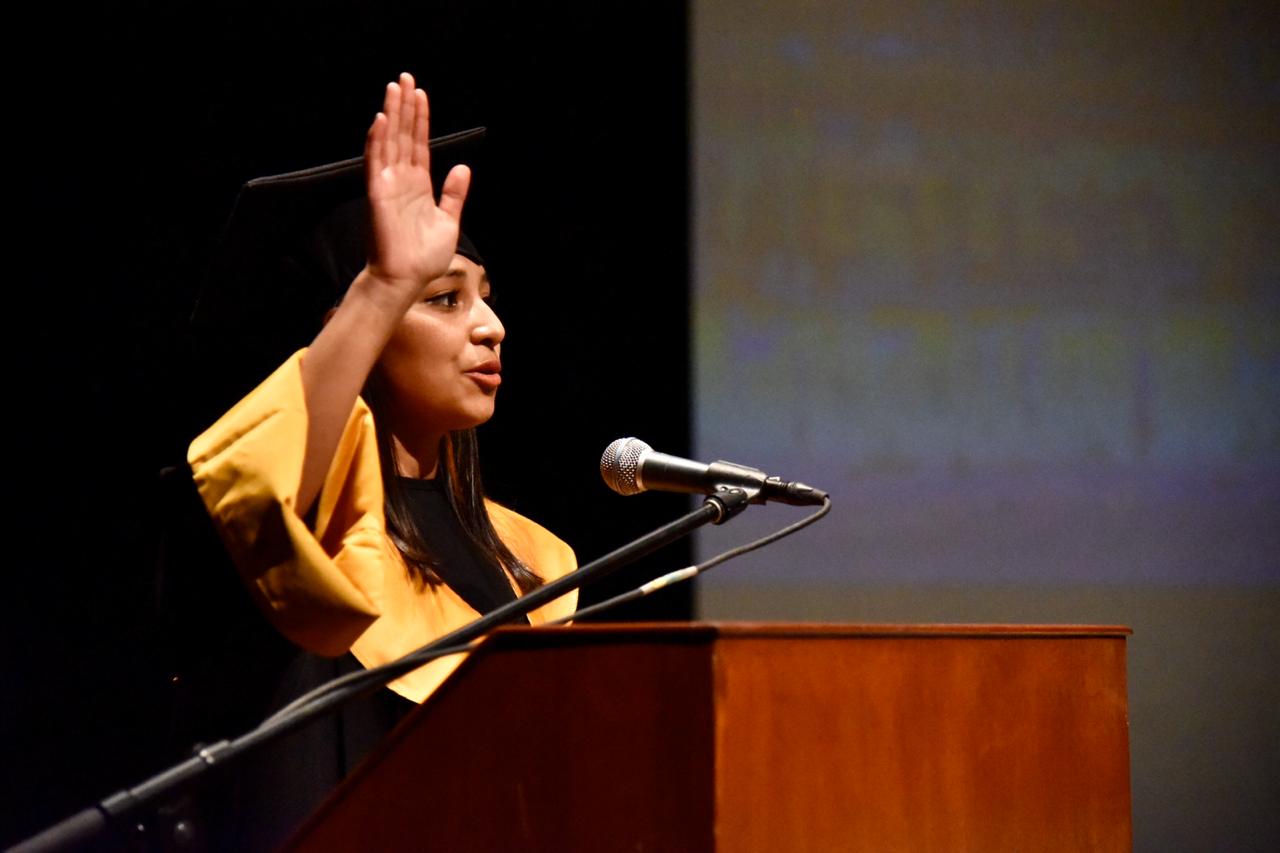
<point>420,366</point>
<point>418,344</point>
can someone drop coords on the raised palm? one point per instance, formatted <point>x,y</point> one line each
<point>413,236</point>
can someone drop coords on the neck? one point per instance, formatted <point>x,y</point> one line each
<point>417,455</point>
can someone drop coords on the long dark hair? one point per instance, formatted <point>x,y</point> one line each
<point>460,470</point>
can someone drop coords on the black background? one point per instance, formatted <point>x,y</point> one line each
<point>135,126</point>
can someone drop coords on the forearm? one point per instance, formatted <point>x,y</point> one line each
<point>335,369</point>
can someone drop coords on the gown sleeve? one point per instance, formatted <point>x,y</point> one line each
<point>322,587</point>
<point>339,585</point>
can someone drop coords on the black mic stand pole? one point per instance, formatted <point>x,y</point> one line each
<point>84,828</point>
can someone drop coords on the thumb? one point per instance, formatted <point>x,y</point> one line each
<point>454,192</point>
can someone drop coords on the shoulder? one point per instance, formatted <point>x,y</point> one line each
<point>539,548</point>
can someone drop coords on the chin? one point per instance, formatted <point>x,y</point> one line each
<point>474,418</point>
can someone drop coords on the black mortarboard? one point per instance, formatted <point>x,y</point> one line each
<point>291,247</point>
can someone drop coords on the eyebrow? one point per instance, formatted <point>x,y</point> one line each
<point>459,272</point>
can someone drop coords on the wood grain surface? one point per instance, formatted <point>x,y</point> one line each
<point>757,738</point>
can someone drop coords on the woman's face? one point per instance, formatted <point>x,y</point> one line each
<point>441,365</point>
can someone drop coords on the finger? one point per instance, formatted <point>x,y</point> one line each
<point>391,106</point>
<point>455,189</point>
<point>373,145</point>
<point>422,131</point>
<point>408,110</point>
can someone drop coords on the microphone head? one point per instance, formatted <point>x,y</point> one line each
<point>620,465</point>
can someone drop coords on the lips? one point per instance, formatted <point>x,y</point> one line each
<point>488,374</point>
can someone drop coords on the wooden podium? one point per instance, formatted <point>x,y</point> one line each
<point>756,737</point>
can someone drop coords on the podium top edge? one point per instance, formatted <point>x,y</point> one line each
<point>813,630</point>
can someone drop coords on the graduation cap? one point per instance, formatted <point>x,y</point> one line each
<point>291,247</point>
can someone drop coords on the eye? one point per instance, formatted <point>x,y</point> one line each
<point>490,299</point>
<point>447,299</point>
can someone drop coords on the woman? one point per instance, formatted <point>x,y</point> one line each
<point>293,476</point>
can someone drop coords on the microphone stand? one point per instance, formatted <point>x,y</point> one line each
<point>84,828</point>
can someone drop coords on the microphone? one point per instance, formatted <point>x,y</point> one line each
<point>629,466</point>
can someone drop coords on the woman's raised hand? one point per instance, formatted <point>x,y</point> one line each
<point>413,236</point>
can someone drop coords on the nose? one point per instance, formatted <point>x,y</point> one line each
<point>486,328</point>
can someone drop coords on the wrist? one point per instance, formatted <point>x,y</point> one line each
<point>382,294</point>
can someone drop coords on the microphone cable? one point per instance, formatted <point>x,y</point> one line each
<point>355,682</point>
<point>690,572</point>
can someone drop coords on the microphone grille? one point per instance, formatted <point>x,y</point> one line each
<point>620,464</point>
